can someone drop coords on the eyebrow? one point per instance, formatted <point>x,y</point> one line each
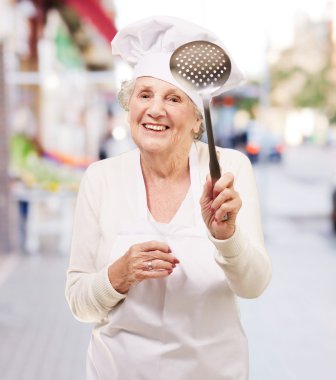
<point>144,87</point>
<point>169,91</point>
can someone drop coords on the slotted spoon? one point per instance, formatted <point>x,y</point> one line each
<point>204,67</point>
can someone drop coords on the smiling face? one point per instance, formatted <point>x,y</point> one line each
<point>162,117</point>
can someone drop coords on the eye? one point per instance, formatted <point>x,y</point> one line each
<point>174,99</point>
<point>144,95</point>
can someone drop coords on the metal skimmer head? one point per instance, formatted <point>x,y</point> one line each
<point>201,66</point>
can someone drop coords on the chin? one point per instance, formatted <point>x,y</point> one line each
<point>153,147</point>
<point>153,144</point>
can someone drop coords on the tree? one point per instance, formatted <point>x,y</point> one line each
<point>301,76</point>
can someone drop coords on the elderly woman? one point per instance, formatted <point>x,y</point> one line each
<point>154,262</point>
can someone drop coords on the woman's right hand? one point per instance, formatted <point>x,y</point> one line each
<point>152,259</point>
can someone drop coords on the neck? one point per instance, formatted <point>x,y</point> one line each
<point>170,166</point>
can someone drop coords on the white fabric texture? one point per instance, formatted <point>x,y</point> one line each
<point>148,44</point>
<point>158,333</point>
<point>177,327</point>
<point>106,198</point>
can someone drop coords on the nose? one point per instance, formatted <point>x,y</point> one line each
<point>156,108</point>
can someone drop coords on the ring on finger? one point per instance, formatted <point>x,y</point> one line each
<point>225,218</point>
<point>149,265</point>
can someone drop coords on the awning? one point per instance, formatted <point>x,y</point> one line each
<point>93,11</point>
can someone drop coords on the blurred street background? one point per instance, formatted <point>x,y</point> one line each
<point>59,113</point>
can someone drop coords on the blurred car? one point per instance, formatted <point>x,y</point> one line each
<point>263,145</point>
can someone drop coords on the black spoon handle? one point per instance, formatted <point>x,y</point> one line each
<point>215,172</point>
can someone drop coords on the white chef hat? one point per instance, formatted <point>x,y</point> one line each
<point>148,44</point>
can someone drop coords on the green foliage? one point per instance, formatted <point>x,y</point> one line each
<point>36,171</point>
<point>248,104</point>
<point>332,118</point>
<point>314,93</point>
<point>21,148</point>
<point>278,75</point>
<point>66,50</point>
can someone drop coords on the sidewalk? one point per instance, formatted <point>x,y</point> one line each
<point>40,339</point>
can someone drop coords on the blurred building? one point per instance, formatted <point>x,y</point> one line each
<point>68,53</point>
<point>302,82</point>
<point>57,93</point>
<point>5,241</point>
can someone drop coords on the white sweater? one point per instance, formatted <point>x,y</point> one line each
<point>106,198</point>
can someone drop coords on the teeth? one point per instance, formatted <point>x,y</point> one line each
<point>155,127</point>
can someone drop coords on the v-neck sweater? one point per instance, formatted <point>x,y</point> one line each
<point>184,215</point>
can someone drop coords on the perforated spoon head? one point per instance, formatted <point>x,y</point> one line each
<point>201,66</point>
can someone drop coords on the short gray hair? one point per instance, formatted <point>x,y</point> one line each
<point>126,91</point>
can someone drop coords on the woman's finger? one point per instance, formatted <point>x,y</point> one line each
<point>146,275</point>
<point>158,255</point>
<point>151,250</point>
<point>158,265</point>
<point>152,269</point>
<point>153,245</point>
<point>225,181</point>
<point>207,194</point>
<point>223,196</point>
<point>227,208</point>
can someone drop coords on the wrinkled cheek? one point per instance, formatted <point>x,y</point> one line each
<point>175,137</point>
<point>182,137</point>
<point>135,130</point>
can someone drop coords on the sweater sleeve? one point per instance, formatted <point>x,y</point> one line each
<point>243,256</point>
<point>88,291</point>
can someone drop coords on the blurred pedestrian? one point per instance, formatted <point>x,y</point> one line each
<point>104,147</point>
<point>158,254</point>
<point>24,149</point>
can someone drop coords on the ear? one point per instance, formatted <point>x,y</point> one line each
<point>197,125</point>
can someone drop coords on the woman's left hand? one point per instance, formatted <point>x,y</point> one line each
<point>220,205</point>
